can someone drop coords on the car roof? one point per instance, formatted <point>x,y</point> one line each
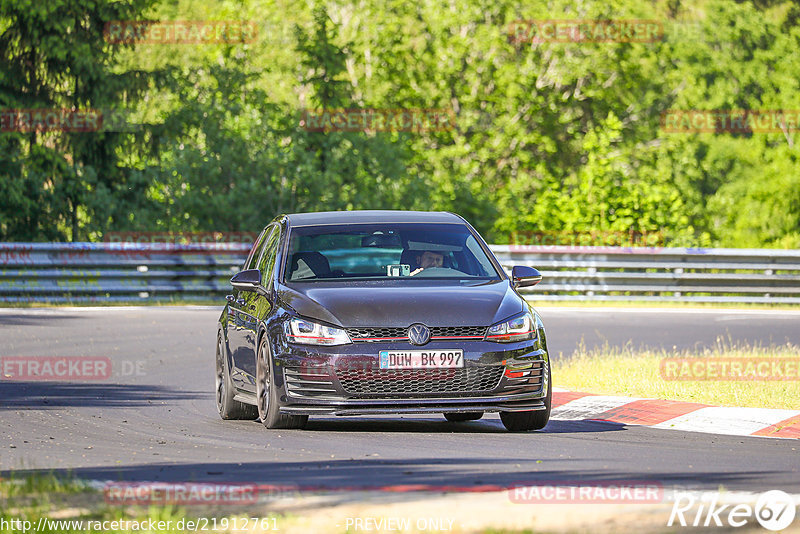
<point>372,216</point>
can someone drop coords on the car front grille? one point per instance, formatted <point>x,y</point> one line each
<point>419,382</point>
<point>372,334</point>
<point>455,332</point>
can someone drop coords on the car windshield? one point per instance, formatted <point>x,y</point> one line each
<point>386,251</point>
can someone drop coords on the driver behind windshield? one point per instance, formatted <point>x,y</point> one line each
<point>428,260</point>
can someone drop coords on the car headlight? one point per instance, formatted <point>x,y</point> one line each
<point>310,333</point>
<point>519,328</point>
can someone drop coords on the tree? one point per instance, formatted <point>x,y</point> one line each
<point>53,56</point>
<point>337,169</point>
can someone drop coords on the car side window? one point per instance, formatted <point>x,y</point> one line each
<point>266,264</point>
<point>255,252</point>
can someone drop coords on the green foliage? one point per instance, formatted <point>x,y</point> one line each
<point>546,137</point>
<point>53,56</point>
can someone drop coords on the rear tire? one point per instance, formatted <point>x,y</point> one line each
<point>461,417</point>
<point>227,407</point>
<point>533,420</point>
<point>267,394</point>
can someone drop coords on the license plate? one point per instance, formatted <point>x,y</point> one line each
<point>422,359</point>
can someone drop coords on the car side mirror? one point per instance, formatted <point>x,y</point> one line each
<point>524,276</point>
<point>247,280</point>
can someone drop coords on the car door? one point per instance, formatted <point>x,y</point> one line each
<point>239,318</point>
<point>256,306</point>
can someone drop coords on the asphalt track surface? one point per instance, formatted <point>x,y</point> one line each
<point>155,418</point>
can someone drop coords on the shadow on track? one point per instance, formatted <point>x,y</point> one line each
<point>34,319</point>
<point>44,395</point>
<point>410,474</point>
<point>437,426</point>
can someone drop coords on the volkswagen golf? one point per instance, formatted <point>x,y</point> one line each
<point>380,312</point>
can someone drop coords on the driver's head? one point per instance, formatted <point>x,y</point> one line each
<point>430,259</point>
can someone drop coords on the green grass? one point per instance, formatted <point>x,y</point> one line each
<point>69,500</point>
<point>40,484</point>
<point>637,373</point>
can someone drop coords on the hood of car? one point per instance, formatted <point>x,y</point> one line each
<point>402,304</point>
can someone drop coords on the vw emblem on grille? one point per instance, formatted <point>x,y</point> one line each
<point>418,334</point>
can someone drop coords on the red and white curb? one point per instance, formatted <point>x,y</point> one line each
<point>676,415</point>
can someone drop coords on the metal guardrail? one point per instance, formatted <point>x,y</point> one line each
<point>117,271</point>
<point>55,272</point>
<point>658,273</point>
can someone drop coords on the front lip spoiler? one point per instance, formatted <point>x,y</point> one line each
<point>384,409</point>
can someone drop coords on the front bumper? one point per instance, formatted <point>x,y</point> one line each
<point>347,380</point>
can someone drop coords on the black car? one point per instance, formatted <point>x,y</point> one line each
<point>379,312</point>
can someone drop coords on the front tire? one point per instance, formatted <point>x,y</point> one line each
<point>533,420</point>
<point>461,417</point>
<point>267,394</point>
<point>226,406</point>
